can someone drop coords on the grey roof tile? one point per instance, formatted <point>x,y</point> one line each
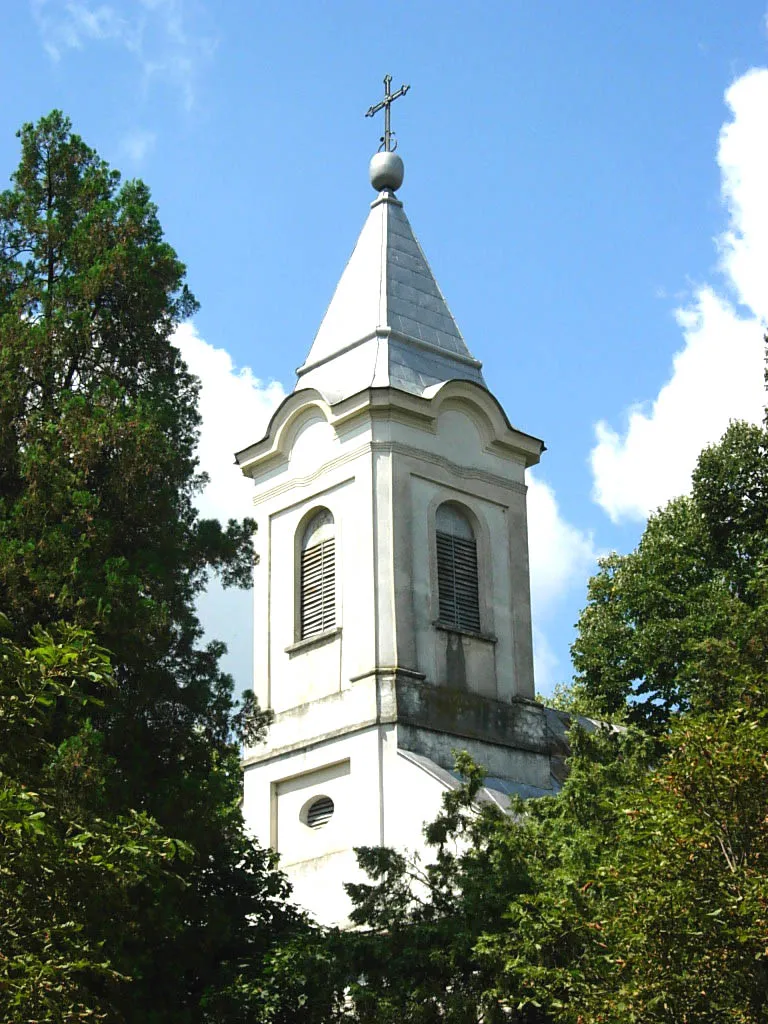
<point>388,283</point>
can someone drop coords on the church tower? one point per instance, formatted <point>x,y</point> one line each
<point>392,598</point>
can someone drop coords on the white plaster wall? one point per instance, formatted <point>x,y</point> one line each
<point>379,797</point>
<point>292,683</point>
<point>520,608</point>
<point>319,861</point>
<point>383,500</point>
<point>489,663</point>
<point>382,476</point>
<point>325,475</point>
<point>412,798</point>
<point>318,886</point>
<point>456,461</point>
<point>384,556</point>
<point>312,434</point>
<point>459,433</point>
<point>461,436</point>
<point>291,836</point>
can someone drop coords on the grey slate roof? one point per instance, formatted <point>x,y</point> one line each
<point>388,324</point>
<point>496,790</point>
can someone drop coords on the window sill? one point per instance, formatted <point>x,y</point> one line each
<point>449,627</point>
<point>316,640</point>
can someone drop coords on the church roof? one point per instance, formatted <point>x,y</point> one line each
<point>388,324</point>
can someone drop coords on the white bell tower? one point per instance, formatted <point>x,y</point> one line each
<point>392,598</point>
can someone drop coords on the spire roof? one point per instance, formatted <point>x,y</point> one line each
<point>388,324</point>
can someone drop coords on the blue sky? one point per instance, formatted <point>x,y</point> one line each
<point>586,179</point>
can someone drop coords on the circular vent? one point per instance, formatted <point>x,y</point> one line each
<point>320,812</point>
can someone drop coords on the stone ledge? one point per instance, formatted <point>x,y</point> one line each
<point>388,696</point>
<point>515,766</point>
<point>316,640</point>
<point>448,627</point>
<point>520,723</point>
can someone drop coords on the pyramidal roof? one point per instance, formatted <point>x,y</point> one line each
<point>388,324</point>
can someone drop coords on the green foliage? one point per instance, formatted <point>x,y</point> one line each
<point>98,527</point>
<point>653,617</point>
<point>640,892</point>
<point>572,698</point>
<point>302,981</point>
<point>70,871</point>
<point>661,915</point>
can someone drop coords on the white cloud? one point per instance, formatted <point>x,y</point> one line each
<point>743,159</point>
<point>560,554</point>
<point>70,25</point>
<point>235,407</point>
<point>718,374</point>
<point>561,557</point>
<point>138,144</point>
<point>154,32</point>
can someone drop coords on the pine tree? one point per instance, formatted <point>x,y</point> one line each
<point>98,528</point>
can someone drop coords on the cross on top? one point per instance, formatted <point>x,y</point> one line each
<point>385,104</point>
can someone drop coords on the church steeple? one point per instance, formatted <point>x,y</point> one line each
<point>388,324</point>
<point>392,617</point>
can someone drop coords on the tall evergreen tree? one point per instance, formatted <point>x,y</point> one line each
<point>70,868</point>
<point>98,527</point>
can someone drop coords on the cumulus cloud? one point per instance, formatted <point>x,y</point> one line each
<point>235,407</point>
<point>743,159</point>
<point>718,374</point>
<point>154,32</point>
<point>560,554</point>
<point>561,557</point>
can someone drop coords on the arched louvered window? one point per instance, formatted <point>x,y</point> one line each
<point>318,575</point>
<point>457,582</point>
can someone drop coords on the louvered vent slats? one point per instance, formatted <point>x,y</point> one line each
<point>318,588</point>
<point>457,581</point>
<point>320,812</point>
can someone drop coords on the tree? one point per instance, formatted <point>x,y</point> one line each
<point>640,892</point>
<point>655,616</point>
<point>98,527</point>
<point>63,865</point>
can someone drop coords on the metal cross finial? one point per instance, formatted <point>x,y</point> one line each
<point>385,104</point>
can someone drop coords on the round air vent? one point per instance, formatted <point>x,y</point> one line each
<point>319,812</point>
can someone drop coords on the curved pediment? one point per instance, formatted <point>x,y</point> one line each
<point>486,414</point>
<point>465,412</point>
<point>294,415</point>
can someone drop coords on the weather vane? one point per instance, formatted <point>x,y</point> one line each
<point>389,98</point>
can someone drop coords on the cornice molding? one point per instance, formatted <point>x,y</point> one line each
<point>463,472</point>
<point>301,482</point>
<point>391,448</point>
<point>387,403</point>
